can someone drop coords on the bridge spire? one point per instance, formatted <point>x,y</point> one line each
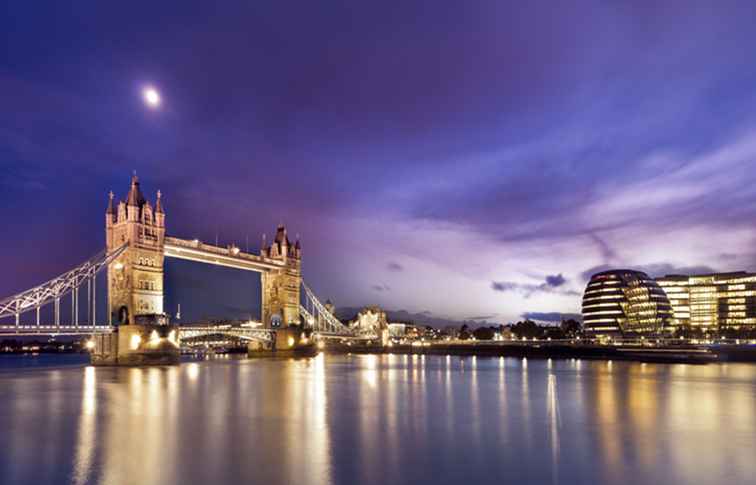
<point>159,203</point>
<point>135,197</point>
<point>110,209</point>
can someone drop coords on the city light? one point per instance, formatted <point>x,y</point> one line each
<point>135,341</point>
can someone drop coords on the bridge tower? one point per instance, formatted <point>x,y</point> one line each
<point>280,288</point>
<point>135,278</point>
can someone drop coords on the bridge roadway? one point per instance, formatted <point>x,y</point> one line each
<point>242,331</point>
<point>231,257</point>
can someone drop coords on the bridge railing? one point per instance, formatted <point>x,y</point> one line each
<point>232,251</point>
<point>322,318</point>
<point>52,291</point>
<point>241,332</point>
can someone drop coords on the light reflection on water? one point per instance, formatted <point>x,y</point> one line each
<point>380,419</point>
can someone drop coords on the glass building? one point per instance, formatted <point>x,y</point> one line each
<point>712,301</point>
<point>624,302</point>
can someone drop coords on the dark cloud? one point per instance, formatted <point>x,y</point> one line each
<point>483,317</point>
<point>607,253</point>
<point>381,287</point>
<point>394,266</point>
<point>503,286</point>
<point>551,317</point>
<point>555,280</point>
<point>552,284</point>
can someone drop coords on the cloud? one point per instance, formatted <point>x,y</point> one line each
<point>503,286</point>
<point>394,266</point>
<point>555,280</point>
<point>552,284</point>
<point>483,317</point>
<point>381,287</point>
<point>551,317</point>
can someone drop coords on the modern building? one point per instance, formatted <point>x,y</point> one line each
<point>624,302</point>
<point>712,301</point>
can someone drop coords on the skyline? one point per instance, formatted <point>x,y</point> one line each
<point>421,177</point>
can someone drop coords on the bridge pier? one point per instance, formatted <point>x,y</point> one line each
<point>137,344</point>
<point>288,342</point>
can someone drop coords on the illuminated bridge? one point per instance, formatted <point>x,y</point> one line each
<point>133,260</point>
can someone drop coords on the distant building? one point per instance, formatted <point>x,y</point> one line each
<point>397,330</point>
<point>622,302</point>
<point>712,301</point>
<point>370,319</point>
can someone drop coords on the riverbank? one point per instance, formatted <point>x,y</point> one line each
<point>661,354</point>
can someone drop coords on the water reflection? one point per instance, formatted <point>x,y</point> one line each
<point>380,419</point>
<point>86,435</point>
<point>552,411</point>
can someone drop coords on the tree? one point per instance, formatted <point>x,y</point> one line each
<point>571,328</point>
<point>483,333</point>
<point>464,333</point>
<point>554,333</point>
<point>527,329</point>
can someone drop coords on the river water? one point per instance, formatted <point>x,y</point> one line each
<point>367,419</point>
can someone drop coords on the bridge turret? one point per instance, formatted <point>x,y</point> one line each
<point>281,287</point>
<point>110,211</point>
<point>147,213</point>
<point>159,212</point>
<point>135,278</point>
<point>135,200</point>
<point>110,218</point>
<point>121,217</point>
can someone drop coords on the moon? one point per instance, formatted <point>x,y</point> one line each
<point>151,97</point>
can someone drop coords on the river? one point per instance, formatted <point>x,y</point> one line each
<point>376,419</point>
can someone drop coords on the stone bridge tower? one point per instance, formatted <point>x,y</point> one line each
<point>135,279</point>
<point>280,288</point>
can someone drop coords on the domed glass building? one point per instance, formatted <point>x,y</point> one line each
<point>622,302</point>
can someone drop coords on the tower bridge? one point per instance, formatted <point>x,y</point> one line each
<point>135,324</point>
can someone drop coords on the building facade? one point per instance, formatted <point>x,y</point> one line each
<point>712,301</point>
<point>624,302</point>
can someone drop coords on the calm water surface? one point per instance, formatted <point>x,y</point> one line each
<point>377,420</point>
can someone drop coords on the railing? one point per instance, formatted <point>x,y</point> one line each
<point>231,251</point>
<point>242,332</point>
<point>52,291</point>
<point>54,330</point>
<point>331,323</point>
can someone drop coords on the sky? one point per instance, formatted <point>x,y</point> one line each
<point>454,160</point>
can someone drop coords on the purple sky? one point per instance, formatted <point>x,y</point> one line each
<point>463,159</point>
